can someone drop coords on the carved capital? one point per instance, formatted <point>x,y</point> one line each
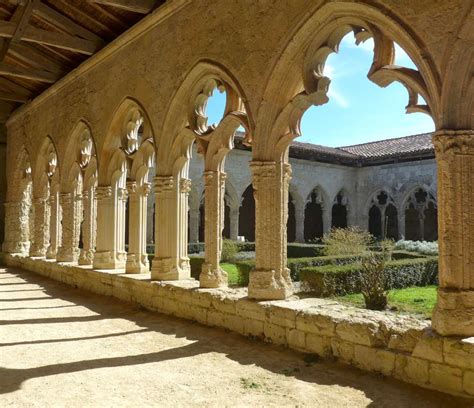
<point>131,187</point>
<point>185,185</point>
<point>145,189</point>
<point>454,142</point>
<point>103,193</point>
<point>65,198</point>
<point>163,184</point>
<point>122,194</point>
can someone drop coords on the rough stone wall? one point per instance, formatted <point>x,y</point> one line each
<point>3,178</point>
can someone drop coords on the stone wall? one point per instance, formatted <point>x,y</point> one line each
<point>3,178</point>
<point>402,347</point>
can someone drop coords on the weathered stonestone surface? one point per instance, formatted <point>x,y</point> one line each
<point>321,345</point>
<point>429,347</point>
<point>446,378</point>
<point>359,331</point>
<point>372,359</point>
<point>414,370</point>
<point>468,382</point>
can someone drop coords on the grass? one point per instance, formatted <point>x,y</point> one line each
<point>417,300</point>
<point>232,272</point>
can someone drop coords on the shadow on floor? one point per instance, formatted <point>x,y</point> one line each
<point>205,340</point>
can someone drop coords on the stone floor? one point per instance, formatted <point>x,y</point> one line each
<point>64,347</point>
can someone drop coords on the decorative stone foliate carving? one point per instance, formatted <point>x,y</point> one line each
<point>185,185</point>
<point>271,278</point>
<point>212,275</point>
<point>86,256</point>
<point>103,193</point>
<point>41,228</point>
<point>163,184</point>
<point>17,229</point>
<point>132,132</point>
<point>85,149</point>
<point>454,312</point>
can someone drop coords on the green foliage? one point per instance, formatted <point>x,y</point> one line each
<point>387,246</point>
<point>246,246</point>
<point>229,250</point>
<point>347,241</point>
<point>419,300</point>
<point>373,280</point>
<point>296,250</point>
<point>328,280</point>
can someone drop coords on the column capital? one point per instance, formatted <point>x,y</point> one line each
<point>122,194</point>
<point>131,187</point>
<point>163,184</point>
<point>145,189</point>
<point>103,192</point>
<point>454,141</point>
<point>185,185</point>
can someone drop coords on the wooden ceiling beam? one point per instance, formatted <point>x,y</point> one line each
<point>136,6</point>
<point>58,40</point>
<point>31,74</point>
<point>34,57</point>
<point>13,97</point>
<point>64,23</point>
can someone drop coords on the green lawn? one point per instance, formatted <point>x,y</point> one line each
<point>232,272</point>
<point>419,300</point>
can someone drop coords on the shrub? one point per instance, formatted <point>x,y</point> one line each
<point>195,247</point>
<point>422,247</point>
<point>229,250</point>
<point>373,282</point>
<point>297,250</point>
<point>347,241</point>
<point>387,246</point>
<point>328,280</point>
<point>246,246</point>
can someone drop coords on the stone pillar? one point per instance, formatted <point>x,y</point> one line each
<point>194,224</point>
<point>86,256</point>
<point>401,224</point>
<point>107,255</point>
<point>327,217</point>
<point>299,219</point>
<point>212,276</point>
<point>382,219</point>
<point>421,216</point>
<point>234,222</point>
<point>271,278</point>
<point>454,311</point>
<point>54,226</point>
<point>41,228</point>
<point>137,258</point>
<point>71,208</point>
<point>17,228</point>
<point>171,261</point>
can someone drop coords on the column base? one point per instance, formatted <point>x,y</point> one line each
<point>86,257</point>
<point>454,313</point>
<point>164,269</point>
<point>37,252</point>
<point>108,260</point>
<point>16,248</point>
<point>137,264</point>
<point>266,285</point>
<point>67,254</point>
<point>212,278</point>
<point>50,254</point>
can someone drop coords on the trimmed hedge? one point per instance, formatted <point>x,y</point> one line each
<point>196,265</point>
<point>331,280</point>
<point>296,250</point>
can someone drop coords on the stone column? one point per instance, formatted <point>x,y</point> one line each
<point>194,224</point>
<point>17,228</point>
<point>54,226</point>
<point>212,276</point>
<point>382,219</point>
<point>421,216</point>
<point>171,261</point>
<point>41,228</point>
<point>454,311</point>
<point>71,208</point>
<point>401,224</point>
<point>86,256</point>
<point>271,278</point>
<point>234,222</point>
<point>299,219</point>
<point>137,258</point>
<point>107,252</point>
<point>327,217</point>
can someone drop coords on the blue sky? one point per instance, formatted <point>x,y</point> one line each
<point>358,111</point>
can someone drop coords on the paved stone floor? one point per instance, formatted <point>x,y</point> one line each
<point>60,346</point>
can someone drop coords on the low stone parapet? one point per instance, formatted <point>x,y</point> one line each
<point>402,347</point>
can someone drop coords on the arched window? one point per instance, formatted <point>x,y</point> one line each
<point>313,216</point>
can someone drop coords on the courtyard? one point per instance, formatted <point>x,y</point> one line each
<point>79,349</point>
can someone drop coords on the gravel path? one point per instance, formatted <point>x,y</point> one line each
<point>62,347</point>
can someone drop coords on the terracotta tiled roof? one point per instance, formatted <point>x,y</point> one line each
<point>384,151</point>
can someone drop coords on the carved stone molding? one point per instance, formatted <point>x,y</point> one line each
<point>185,185</point>
<point>454,142</point>
<point>131,187</point>
<point>103,192</point>
<point>163,184</point>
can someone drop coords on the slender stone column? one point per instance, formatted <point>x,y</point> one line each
<point>71,207</point>
<point>137,258</point>
<point>382,220</point>
<point>194,224</point>
<point>17,228</point>
<point>212,276</point>
<point>54,226</point>
<point>299,219</point>
<point>327,217</point>
<point>271,277</point>
<point>89,228</point>
<point>234,223</point>
<point>421,216</point>
<point>107,254</point>
<point>41,228</point>
<point>171,261</point>
<point>401,224</point>
<point>454,311</point>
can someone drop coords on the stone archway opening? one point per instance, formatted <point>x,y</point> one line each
<point>313,217</point>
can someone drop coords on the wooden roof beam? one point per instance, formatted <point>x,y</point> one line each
<point>13,97</point>
<point>136,6</point>
<point>31,74</point>
<point>58,40</point>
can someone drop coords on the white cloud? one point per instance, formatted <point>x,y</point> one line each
<point>328,70</point>
<point>338,98</point>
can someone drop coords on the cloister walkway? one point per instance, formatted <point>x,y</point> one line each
<point>60,346</point>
